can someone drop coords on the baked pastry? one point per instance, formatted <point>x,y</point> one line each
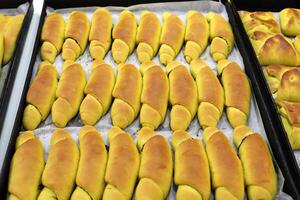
<point>196,35</point>
<point>221,36</point>
<point>225,167</point>
<point>100,35</point>
<point>76,35</point>
<point>69,94</point>
<point>191,168</point>
<point>183,96</point>
<point>40,96</point>
<point>122,166</point>
<point>98,92</point>
<point>124,33</point>
<point>210,94</point>
<point>155,95</point>
<point>155,174</point>
<point>237,92</point>
<point>259,172</point>
<point>171,39</point>
<point>1,47</point>
<point>60,171</point>
<point>52,36</point>
<point>290,21</point>
<point>127,94</point>
<point>26,168</point>
<point>92,164</point>
<point>297,43</point>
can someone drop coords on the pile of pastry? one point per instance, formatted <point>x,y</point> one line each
<point>277,46</point>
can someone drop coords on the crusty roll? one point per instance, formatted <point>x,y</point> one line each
<point>127,94</point>
<point>26,168</point>
<point>98,92</point>
<point>221,36</point>
<point>191,168</point>
<point>40,96</point>
<point>290,21</point>
<point>147,37</point>
<point>122,166</point>
<point>196,35</point>
<point>52,36</point>
<point>124,33</point>
<point>155,174</point>
<point>60,171</point>
<point>155,95</point>
<point>225,166</point>
<point>183,96</point>
<point>76,35</point>
<point>297,43</point>
<point>259,172</point>
<point>100,35</point>
<point>171,39</point>
<point>69,94</point>
<point>210,94</point>
<point>92,164</point>
<point>237,92</point>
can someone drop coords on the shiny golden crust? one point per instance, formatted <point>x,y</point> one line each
<point>290,21</point>
<point>297,43</point>
<point>293,132</point>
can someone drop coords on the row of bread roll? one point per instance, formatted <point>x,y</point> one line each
<point>150,36</point>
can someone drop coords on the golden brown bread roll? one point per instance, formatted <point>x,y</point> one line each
<point>40,96</point>
<point>191,168</point>
<point>26,168</point>
<point>196,35</point>
<point>290,21</point>
<point>183,96</point>
<point>156,168</point>
<point>52,36</point>
<point>92,164</point>
<point>1,47</point>
<point>124,33</point>
<point>171,39</point>
<point>155,95</point>
<point>127,94</point>
<point>297,43</point>
<point>210,94</point>
<point>100,35</point>
<point>122,166</point>
<point>225,166</point>
<point>98,92</point>
<point>60,171</point>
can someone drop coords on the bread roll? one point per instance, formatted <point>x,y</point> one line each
<point>171,39</point>
<point>1,47</point>
<point>100,35</point>
<point>196,35</point>
<point>297,43</point>
<point>98,92</point>
<point>191,168</point>
<point>290,21</point>
<point>124,33</point>
<point>155,95</point>
<point>52,36</point>
<point>293,132</point>
<point>26,168</point>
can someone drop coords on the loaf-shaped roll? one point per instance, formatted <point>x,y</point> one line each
<point>155,174</point>
<point>155,95</point>
<point>98,92</point>
<point>76,35</point>
<point>92,164</point>
<point>225,166</point>
<point>40,96</point>
<point>26,168</point>
<point>122,166</point>
<point>297,43</point>
<point>127,94</point>
<point>69,94</point>
<point>60,171</point>
<point>183,96</point>
<point>172,37</point>
<point>147,37</point>
<point>196,35</point>
<point>100,35</point>
<point>259,172</point>
<point>221,36</point>
<point>210,94</point>
<point>191,168</point>
<point>237,92</point>
<point>124,33</point>
<point>52,36</point>
<point>290,21</point>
